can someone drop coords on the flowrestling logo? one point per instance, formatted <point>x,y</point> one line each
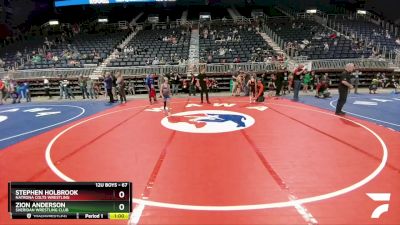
<point>208,121</point>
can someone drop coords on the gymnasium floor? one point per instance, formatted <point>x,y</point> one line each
<point>229,162</point>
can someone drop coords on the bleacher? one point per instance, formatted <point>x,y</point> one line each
<point>368,30</point>
<point>76,51</point>
<point>85,49</point>
<point>9,53</point>
<point>149,45</point>
<point>250,47</point>
<point>296,31</point>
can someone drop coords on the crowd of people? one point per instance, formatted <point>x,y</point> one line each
<point>175,38</point>
<point>47,50</point>
<point>225,42</point>
<point>14,90</point>
<point>113,85</point>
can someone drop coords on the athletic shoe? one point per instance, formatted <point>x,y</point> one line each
<point>340,113</point>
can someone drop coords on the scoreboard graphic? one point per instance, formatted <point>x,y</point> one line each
<point>64,200</point>
<point>61,3</point>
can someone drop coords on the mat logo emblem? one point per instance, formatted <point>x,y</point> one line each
<point>208,121</point>
<point>379,197</point>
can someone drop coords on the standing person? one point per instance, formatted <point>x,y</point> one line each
<point>278,83</point>
<point>234,84</point>
<point>176,80</point>
<point>239,86</point>
<point>14,92</point>
<point>109,85</point>
<point>285,83</point>
<point>21,90</point>
<point>306,81</point>
<point>260,92</point>
<point>46,85</point>
<point>355,81</point>
<point>2,91</point>
<point>82,86</point>
<point>62,90</point>
<point>131,87</point>
<point>271,85</point>
<point>149,83</point>
<point>121,87</point>
<point>114,85</point>
<point>202,85</point>
<point>152,94</point>
<point>312,80</point>
<point>165,93</point>
<point>192,85</point>
<point>245,86</point>
<point>7,89</point>
<point>28,92</point>
<point>290,83</point>
<point>297,75</point>
<point>251,85</point>
<point>90,88</point>
<point>344,86</point>
<point>67,89</point>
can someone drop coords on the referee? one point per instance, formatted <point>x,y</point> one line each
<point>344,86</point>
<point>202,84</point>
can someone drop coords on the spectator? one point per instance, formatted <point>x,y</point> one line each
<point>297,74</point>
<point>251,85</point>
<point>271,85</point>
<point>24,91</point>
<point>67,89</point>
<point>131,87</point>
<point>260,90</point>
<point>2,91</point>
<point>278,83</point>
<point>108,81</point>
<point>326,47</point>
<point>62,90</point>
<point>306,82</point>
<point>49,56</point>
<point>176,80</point>
<point>373,87</point>
<point>90,89</point>
<point>155,61</point>
<point>121,87</point>
<point>46,85</point>
<point>355,81</point>
<point>322,88</point>
<point>82,81</point>
<point>192,84</point>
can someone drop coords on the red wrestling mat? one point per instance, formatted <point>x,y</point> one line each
<point>230,162</point>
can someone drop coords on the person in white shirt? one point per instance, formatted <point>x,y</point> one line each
<point>398,41</point>
<point>326,46</point>
<point>222,51</point>
<point>156,61</point>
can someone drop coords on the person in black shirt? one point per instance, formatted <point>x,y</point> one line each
<point>344,86</point>
<point>278,84</point>
<point>202,84</point>
<point>175,83</point>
